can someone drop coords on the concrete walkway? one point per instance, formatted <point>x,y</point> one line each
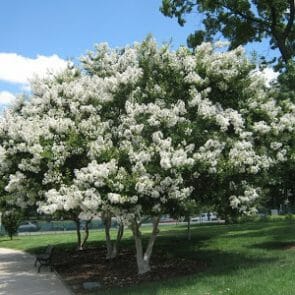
<point>18,276</point>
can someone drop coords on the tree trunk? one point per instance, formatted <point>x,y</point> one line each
<point>283,48</point>
<point>77,221</point>
<point>281,38</point>
<point>189,234</point>
<point>112,246</point>
<point>115,245</point>
<point>86,234</point>
<point>107,221</point>
<point>143,258</point>
<point>143,263</point>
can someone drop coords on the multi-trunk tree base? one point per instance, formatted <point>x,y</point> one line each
<point>143,257</point>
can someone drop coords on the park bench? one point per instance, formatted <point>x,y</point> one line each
<point>45,259</point>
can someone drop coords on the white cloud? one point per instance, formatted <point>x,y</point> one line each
<point>6,97</point>
<point>20,69</point>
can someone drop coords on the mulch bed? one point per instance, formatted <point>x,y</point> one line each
<point>90,265</point>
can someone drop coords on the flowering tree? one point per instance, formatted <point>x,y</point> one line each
<point>141,131</point>
<point>43,141</point>
<point>188,117</point>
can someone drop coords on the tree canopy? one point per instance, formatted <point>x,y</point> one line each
<point>240,21</point>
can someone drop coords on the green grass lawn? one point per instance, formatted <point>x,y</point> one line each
<point>244,259</point>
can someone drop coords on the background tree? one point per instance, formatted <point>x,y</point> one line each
<point>11,220</point>
<point>240,21</point>
<point>185,212</point>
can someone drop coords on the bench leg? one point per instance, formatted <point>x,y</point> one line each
<point>45,264</point>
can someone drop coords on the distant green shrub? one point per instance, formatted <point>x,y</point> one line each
<point>290,218</point>
<point>11,220</point>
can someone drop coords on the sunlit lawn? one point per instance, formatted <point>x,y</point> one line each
<point>254,258</point>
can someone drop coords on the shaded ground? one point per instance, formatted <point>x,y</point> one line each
<point>77,267</point>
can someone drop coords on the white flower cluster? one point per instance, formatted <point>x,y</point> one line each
<point>244,203</point>
<point>95,174</point>
<point>16,181</point>
<point>261,127</point>
<point>210,153</point>
<point>224,118</point>
<point>242,156</point>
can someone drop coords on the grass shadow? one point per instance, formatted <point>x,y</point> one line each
<point>274,245</point>
<point>220,263</point>
<point>278,230</point>
<point>5,240</point>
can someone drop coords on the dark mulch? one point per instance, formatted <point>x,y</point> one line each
<point>77,267</point>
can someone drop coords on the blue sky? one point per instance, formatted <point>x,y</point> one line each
<point>70,27</point>
<point>38,33</point>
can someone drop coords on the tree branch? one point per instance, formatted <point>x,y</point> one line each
<point>248,17</point>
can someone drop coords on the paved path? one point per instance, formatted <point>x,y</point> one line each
<point>18,276</point>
